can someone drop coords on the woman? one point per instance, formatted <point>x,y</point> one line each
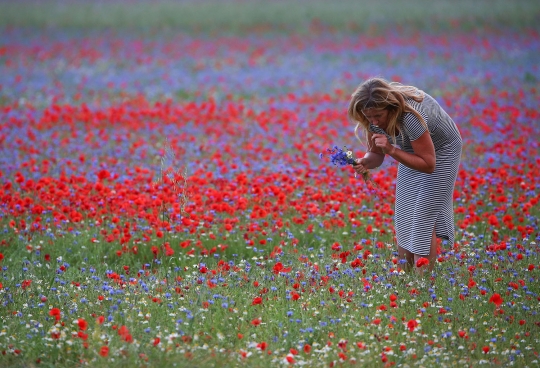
<point>410,126</point>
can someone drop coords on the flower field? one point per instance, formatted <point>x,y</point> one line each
<point>167,199</point>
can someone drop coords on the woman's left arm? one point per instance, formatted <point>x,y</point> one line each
<point>423,159</point>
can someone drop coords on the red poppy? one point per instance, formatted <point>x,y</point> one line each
<point>83,325</point>
<point>104,351</point>
<point>422,262</point>
<point>278,267</point>
<point>82,335</point>
<point>357,263</point>
<point>496,299</point>
<point>55,312</point>
<point>411,325</point>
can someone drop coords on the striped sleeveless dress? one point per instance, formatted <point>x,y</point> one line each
<point>425,201</point>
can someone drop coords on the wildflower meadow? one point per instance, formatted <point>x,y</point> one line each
<point>167,196</point>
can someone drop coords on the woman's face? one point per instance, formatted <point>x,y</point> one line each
<point>378,117</point>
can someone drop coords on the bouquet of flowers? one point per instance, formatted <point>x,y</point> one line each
<point>345,157</point>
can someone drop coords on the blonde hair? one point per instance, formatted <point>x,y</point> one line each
<point>378,93</point>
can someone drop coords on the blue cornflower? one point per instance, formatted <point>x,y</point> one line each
<point>340,157</point>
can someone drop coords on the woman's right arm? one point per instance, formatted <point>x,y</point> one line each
<point>373,158</point>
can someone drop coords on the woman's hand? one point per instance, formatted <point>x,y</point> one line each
<point>381,141</point>
<point>359,167</point>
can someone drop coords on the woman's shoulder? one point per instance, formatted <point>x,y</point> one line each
<point>418,106</point>
<point>409,120</point>
<point>414,103</point>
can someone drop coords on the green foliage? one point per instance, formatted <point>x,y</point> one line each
<point>273,16</point>
<point>156,303</point>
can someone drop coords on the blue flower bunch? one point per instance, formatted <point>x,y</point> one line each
<point>341,157</point>
<point>344,157</point>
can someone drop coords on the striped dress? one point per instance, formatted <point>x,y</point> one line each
<point>425,201</point>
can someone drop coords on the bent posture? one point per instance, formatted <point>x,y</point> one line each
<point>409,125</point>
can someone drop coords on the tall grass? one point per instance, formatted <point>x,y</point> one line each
<point>292,16</point>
